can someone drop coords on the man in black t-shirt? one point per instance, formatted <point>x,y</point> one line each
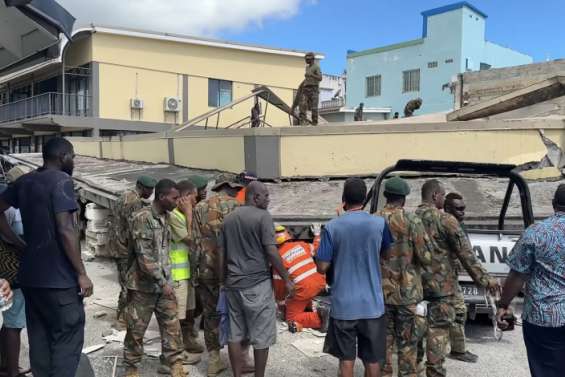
<point>52,275</point>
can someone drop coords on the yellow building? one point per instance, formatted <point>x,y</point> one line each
<point>111,81</point>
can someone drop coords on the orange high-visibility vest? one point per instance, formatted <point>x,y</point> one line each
<point>302,270</point>
<point>240,197</point>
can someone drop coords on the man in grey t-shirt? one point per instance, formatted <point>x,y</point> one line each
<point>247,249</point>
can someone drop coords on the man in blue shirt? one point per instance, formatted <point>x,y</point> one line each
<point>538,259</point>
<point>51,274</point>
<point>352,244</point>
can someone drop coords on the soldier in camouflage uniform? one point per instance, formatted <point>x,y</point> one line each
<point>401,267</point>
<point>310,90</point>
<point>120,242</point>
<point>149,283</point>
<point>440,279</point>
<point>208,217</point>
<point>455,206</point>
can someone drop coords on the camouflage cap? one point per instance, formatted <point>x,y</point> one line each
<point>310,55</point>
<point>146,181</point>
<point>199,181</point>
<point>16,172</point>
<point>226,179</point>
<point>397,186</point>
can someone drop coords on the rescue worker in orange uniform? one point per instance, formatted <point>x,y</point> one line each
<point>298,259</point>
<point>244,178</point>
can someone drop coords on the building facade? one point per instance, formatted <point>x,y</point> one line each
<point>453,41</point>
<point>110,81</point>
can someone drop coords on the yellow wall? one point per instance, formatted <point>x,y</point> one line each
<point>147,150</point>
<point>370,153</point>
<point>216,153</point>
<point>112,150</point>
<point>344,150</point>
<point>86,148</point>
<point>220,63</point>
<point>118,85</point>
<point>159,66</point>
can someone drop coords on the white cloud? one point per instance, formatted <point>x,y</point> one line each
<point>194,17</point>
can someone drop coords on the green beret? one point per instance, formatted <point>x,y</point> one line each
<point>199,181</point>
<point>397,186</point>
<point>146,181</point>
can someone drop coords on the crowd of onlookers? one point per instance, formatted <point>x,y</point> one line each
<point>393,276</point>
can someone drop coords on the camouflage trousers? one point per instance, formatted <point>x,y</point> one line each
<point>457,329</point>
<point>122,266</point>
<point>441,315</point>
<point>402,331</point>
<point>140,308</point>
<point>209,294</point>
<point>308,101</point>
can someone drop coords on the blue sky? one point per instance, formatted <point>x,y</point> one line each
<point>335,26</point>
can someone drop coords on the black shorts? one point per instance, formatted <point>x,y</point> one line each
<point>363,338</point>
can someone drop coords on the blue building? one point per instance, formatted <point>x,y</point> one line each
<point>453,41</point>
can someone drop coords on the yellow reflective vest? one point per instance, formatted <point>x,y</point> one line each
<point>180,264</point>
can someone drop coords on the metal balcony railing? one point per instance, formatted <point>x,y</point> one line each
<point>333,103</point>
<point>47,104</point>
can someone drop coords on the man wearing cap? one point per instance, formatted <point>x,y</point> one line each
<point>129,202</point>
<point>14,318</point>
<point>310,89</point>
<point>308,283</point>
<point>208,218</point>
<point>201,184</point>
<point>401,267</point>
<point>538,261</point>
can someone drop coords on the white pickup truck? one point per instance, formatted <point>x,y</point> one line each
<point>492,239</point>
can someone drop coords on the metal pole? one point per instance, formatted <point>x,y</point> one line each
<point>63,85</point>
<point>266,108</point>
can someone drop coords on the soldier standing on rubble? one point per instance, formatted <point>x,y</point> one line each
<point>129,202</point>
<point>310,90</point>
<point>455,206</point>
<point>402,266</point>
<point>440,279</point>
<point>149,284</point>
<point>208,217</point>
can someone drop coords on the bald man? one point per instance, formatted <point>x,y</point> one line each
<point>246,249</point>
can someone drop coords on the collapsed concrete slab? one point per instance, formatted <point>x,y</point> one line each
<point>542,91</point>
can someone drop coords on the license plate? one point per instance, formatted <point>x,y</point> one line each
<point>472,291</point>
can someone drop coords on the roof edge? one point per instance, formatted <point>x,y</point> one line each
<point>454,6</point>
<point>391,47</point>
<point>198,41</point>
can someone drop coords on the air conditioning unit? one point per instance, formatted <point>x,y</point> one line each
<point>172,104</point>
<point>136,104</point>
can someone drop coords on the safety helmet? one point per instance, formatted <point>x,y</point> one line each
<point>281,235</point>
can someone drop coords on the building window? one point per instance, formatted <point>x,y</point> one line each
<point>411,81</point>
<point>432,65</point>
<point>448,61</point>
<point>373,86</point>
<point>219,92</point>
<point>485,66</point>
